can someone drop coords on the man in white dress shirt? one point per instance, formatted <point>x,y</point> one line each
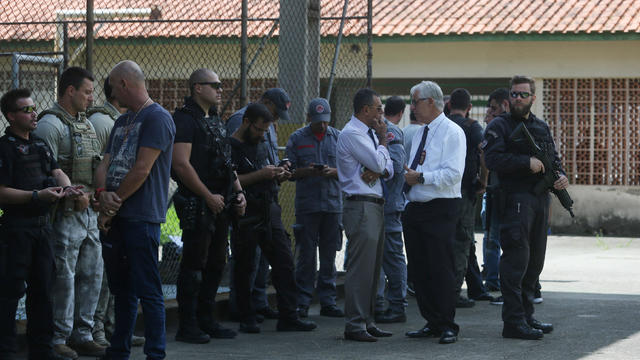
<point>363,159</point>
<point>434,178</point>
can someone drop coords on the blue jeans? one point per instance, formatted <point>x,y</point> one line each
<point>130,252</point>
<point>491,246</point>
<point>316,231</point>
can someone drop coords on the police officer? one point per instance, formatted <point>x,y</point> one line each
<point>76,147</point>
<point>312,152</point>
<point>523,224</point>
<point>394,264</point>
<point>262,224</point>
<point>30,183</point>
<point>207,183</point>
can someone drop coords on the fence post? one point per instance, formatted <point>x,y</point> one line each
<point>243,55</point>
<point>369,36</point>
<point>89,36</point>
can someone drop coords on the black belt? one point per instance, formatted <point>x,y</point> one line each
<point>15,221</point>
<point>372,199</point>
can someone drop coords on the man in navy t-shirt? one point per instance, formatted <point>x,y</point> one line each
<point>133,181</point>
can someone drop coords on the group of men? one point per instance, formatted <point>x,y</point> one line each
<point>81,184</point>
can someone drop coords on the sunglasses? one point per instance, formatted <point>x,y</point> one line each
<point>27,109</point>
<point>215,85</point>
<point>522,94</point>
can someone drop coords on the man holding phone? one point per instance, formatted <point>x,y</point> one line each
<point>312,152</point>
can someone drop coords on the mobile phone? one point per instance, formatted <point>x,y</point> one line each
<point>318,167</point>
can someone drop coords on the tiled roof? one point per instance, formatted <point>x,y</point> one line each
<point>390,17</point>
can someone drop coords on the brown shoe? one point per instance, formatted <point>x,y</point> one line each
<point>65,351</point>
<point>89,348</point>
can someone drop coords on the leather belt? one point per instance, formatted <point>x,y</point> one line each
<point>372,199</point>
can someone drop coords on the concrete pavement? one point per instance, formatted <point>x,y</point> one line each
<point>591,290</point>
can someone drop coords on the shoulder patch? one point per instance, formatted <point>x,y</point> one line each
<point>390,136</point>
<point>492,134</point>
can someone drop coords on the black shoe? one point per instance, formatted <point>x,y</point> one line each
<point>448,337</point>
<point>522,331</point>
<point>492,288</point>
<point>361,335</point>
<point>497,301</point>
<point>303,312</point>
<point>249,328</point>
<point>484,297</point>
<point>463,302</point>
<point>425,332</point>
<point>295,325</point>
<point>374,331</point>
<point>217,331</point>
<point>192,336</point>
<point>331,311</point>
<point>544,327</point>
<point>268,313</point>
<point>391,317</point>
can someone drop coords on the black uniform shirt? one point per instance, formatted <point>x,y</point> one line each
<point>511,161</point>
<point>209,157</point>
<point>473,134</point>
<point>25,165</point>
<point>249,158</point>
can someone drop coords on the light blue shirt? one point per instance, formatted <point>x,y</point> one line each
<point>356,153</point>
<point>443,166</point>
<point>394,198</point>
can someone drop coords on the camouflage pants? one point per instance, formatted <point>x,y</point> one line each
<point>464,238</point>
<point>79,265</point>
<point>105,317</point>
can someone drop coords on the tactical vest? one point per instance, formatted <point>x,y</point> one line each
<point>84,154</point>
<point>217,146</point>
<point>103,110</point>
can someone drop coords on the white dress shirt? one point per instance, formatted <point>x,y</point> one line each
<point>356,151</point>
<point>443,166</point>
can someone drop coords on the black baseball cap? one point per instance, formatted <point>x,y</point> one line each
<point>280,99</point>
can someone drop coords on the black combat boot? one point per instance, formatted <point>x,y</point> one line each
<point>187,296</point>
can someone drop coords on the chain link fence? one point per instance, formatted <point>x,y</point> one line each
<point>251,44</point>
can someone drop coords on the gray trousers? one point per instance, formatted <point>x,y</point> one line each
<point>364,226</point>
<point>105,316</point>
<point>78,256</point>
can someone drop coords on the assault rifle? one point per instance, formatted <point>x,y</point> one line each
<point>521,135</point>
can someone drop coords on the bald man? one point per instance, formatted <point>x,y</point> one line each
<point>206,178</point>
<point>133,179</point>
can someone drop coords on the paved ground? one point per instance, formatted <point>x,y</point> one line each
<point>591,290</point>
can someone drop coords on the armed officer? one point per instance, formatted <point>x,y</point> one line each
<point>207,184</point>
<point>262,225</point>
<point>30,183</point>
<point>523,223</point>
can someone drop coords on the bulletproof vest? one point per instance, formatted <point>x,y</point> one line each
<point>32,172</point>
<point>216,147</point>
<point>85,153</point>
<point>103,110</point>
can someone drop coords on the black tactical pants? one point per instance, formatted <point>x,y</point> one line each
<point>26,254</point>
<point>523,238</point>
<point>204,252</point>
<point>276,247</point>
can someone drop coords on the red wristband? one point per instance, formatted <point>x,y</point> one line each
<point>96,194</point>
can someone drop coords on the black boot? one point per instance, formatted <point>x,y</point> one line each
<point>188,288</point>
<point>207,303</point>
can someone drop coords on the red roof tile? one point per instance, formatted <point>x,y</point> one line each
<point>390,18</point>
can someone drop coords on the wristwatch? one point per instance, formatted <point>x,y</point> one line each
<point>421,178</point>
<point>34,196</point>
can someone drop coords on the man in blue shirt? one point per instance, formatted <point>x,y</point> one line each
<point>312,151</point>
<point>132,182</point>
